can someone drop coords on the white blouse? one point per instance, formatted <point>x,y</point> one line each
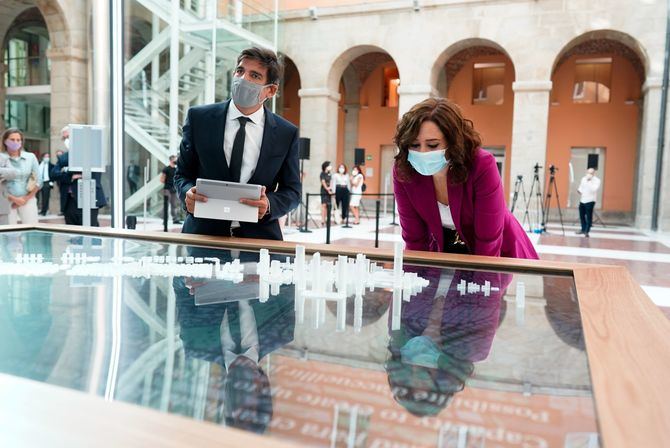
<point>445,216</point>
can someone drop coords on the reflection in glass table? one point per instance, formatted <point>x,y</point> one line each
<point>443,366</point>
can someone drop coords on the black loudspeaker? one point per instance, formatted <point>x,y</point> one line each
<point>303,144</point>
<point>131,222</point>
<point>592,161</point>
<point>359,156</point>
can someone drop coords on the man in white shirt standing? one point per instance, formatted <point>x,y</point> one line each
<point>588,189</point>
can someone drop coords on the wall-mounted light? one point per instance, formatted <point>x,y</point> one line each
<point>415,5</point>
<point>313,13</point>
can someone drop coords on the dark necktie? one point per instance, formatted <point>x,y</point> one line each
<point>238,151</point>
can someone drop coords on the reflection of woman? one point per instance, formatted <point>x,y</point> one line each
<point>442,335</point>
<point>23,188</point>
<point>341,182</point>
<point>448,190</point>
<point>357,180</point>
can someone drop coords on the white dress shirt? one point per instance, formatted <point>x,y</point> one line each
<point>252,142</point>
<point>588,189</point>
<point>44,172</point>
<point>248,332</point>
<point>445,216</point>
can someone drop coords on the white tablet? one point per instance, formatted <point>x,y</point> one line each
<point>223,200</point>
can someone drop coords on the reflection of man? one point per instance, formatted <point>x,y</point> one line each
<point>240,140</point>
<point>237,333</point>
<point>588,188</point>
<point>67,181</point>
<point>133,176</point>
<point>442,335</point>
<point>7,172</point>
<point>167,179</point>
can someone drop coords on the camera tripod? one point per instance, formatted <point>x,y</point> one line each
<point>518,186</point>
<point>536,187</point>
<point>547,200</point>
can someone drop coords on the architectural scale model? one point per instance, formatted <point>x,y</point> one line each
<point>317,281</point>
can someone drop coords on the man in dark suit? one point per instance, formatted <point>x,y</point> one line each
<point>240,140</point>
<point>44,174</point>
<point>67,182</point>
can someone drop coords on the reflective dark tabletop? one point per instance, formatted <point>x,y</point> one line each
<point>317,350</point>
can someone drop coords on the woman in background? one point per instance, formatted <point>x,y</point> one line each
<point>448,190</point>
<point>326,179</point>
<point>357,180</point>
<point>22,189</point>
<point>342,190</point>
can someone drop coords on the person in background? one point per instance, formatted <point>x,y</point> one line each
<point>448,190</point>
<point>7,172</point>
<point>326,179</point>
<point>588,188</point>
<point>357,180</point>
<point>67,181</point>
<point>62,190</point>
<point>342,190</point>
<point>133,176</point>
<point>44,169</point>
<point>167,179</point>
<point>23,188</point>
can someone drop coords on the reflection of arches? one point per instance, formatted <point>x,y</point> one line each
<point>596,90</point>
<point>289,101</point>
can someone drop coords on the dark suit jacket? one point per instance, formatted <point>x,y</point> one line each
<point>64,180</point>
<point>201,155</point>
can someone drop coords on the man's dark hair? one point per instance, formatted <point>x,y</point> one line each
<point>268,59</point>
<point>172,158</point>
<point>324,165</point>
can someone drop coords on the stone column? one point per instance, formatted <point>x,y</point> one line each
<point>411,94</point>
<point>648,152</point>
<point>318,122</point>
<point>69,89</point>
<point>351,115</point>
<point>529,136</point>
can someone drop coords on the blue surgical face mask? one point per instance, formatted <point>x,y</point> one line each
<point>428,163</point>
<point>246,93</point>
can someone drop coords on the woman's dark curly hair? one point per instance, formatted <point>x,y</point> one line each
<point>459,133</point>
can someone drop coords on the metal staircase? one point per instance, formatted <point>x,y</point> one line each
<point>201,78</point>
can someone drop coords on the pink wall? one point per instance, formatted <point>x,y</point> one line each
<point>613,125</point>
<point>493,122</point>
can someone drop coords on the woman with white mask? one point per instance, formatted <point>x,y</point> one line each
<point>357,181</point>
<point>22,189</point>
<point>342,190</point>
<point>448,190</point>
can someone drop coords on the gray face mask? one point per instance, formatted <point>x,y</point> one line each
<point>246,93</point>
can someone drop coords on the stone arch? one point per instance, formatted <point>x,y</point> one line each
<point>461,47</point>
<point>57,24</point>
<point>341,62</point>
<point>606,41</point>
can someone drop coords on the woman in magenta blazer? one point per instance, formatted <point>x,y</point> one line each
<point>448,190</point>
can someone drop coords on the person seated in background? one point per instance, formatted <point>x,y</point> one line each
<point>23,188</point>
<point>448,190</point>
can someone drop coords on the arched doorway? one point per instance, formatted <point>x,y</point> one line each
<point>288,105</point>
<point>367,115</point>
<point>594,120</point>
<point>478,75</point>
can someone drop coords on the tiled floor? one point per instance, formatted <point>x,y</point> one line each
<point>645,254</point>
